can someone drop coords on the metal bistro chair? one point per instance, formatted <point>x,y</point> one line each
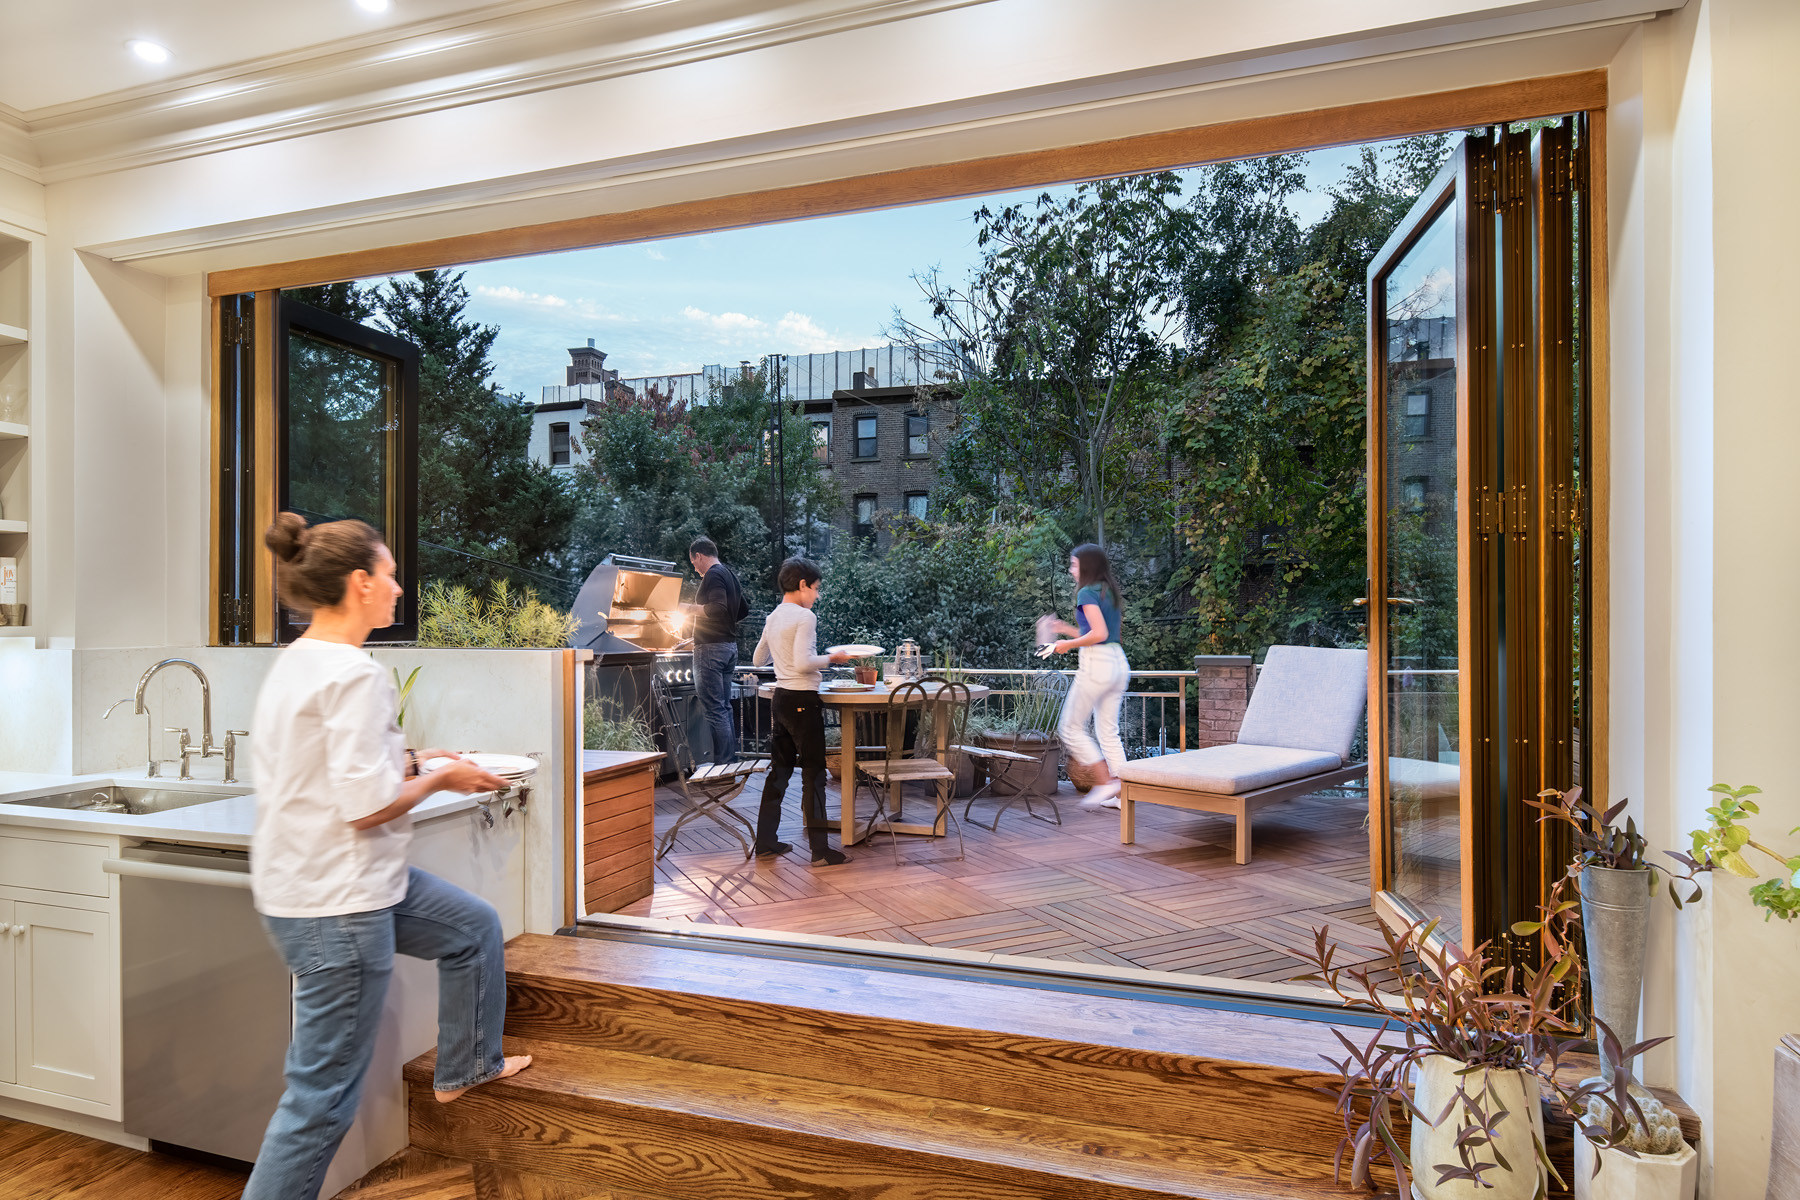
<point>707,790</point>
<point>1024,773</point>
<point>889,775</point>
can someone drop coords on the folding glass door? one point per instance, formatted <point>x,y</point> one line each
<point>1476,421</point>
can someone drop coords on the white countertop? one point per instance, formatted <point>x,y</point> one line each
<point>227,821</point>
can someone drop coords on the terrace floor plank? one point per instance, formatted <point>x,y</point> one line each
<point>1174,901</point>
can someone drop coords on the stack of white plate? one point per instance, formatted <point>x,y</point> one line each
<point>514,768</point>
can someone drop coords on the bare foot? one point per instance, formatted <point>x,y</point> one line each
<point>514,1064</point>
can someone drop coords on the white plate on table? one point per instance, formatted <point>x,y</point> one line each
<point>857,650</point>
<point>841,685</point>
<point>507,766</point>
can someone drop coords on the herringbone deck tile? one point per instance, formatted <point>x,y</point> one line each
<point>1173,901</point>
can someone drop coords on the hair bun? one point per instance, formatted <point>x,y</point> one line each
<point>288,536</point>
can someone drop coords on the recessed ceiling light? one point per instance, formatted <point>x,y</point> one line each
<point>374,6</point>
<point>150,52</point>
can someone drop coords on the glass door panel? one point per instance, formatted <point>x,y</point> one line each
<point>1422,802</point>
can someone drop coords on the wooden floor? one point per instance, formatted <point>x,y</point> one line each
<point>1173,901</point>
<point>38,1163</point>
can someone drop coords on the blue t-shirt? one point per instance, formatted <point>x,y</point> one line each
<point>1101,597</point>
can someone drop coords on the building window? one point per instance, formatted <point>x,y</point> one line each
<point>1412,491</point>
<point>822,440</point>
<point>1418,414</point>
<point>917,426</point>
<point>559,444</point>
<point>865,436</point>
<point>915,505</point>
<point>864,524</point>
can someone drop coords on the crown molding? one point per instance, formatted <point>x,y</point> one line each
<point>506,49</point>
<point>17,153</point>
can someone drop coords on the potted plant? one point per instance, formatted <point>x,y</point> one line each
<point>1615,879</point>
<point>1465,1051</point>
<point>1028,727</point>
<point>1651,1162</point>
<point>868,670</point>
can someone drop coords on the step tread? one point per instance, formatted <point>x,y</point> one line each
<point>877,1125</point>
<point>451,1183</point>
<point>1221,1035</point>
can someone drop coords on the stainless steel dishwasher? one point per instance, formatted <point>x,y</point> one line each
<point>208,1004</point>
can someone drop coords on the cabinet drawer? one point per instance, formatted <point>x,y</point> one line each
<point>49,866</point>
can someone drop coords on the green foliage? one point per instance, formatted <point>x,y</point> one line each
<point>452,615</point>
<point>606,724</point>
<point>404,688</point>
<point>1723,843</point>
<point>1036,710</point>
<point>664,473</point>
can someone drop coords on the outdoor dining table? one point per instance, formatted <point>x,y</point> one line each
<point>875,699</point>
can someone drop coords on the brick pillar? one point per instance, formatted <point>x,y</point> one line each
<point>1224,682</point>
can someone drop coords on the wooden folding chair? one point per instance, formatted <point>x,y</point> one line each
<point>889,775</point>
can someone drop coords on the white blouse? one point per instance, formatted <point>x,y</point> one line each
<point>328,751</point>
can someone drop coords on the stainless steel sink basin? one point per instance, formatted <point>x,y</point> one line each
<point>135,801</point>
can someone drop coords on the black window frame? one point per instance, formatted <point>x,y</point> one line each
<point>568,444</point>
<point>860,528</point>
<point>821,446</point>
<point>873,440</point>
<point>1415,426</point>
<point>403,487</point>
<point>924,499</point>
<point>922,437</point>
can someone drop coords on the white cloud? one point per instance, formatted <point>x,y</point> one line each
<point>655,255</point>
<point>729,322</point>
<point>513,295</point>
<point>800,334</point>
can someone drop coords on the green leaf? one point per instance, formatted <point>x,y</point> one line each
<point>1734,862</point>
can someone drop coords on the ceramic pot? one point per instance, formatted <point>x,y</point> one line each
<point>868,674</point>
<point>1646,1177</point>
<point>1011,778</point>
<point>1434,1145</point>
<point>1615,918</point>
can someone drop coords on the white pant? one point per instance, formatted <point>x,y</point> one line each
<point>1098,691</point>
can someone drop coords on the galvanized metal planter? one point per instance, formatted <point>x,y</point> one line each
<point>1615,918</point>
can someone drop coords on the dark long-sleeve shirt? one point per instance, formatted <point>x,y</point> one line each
<point>720,600</point>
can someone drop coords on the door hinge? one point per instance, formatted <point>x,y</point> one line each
<point>1506,512</point>
<point>1565,510</point>
<point>236,327</point>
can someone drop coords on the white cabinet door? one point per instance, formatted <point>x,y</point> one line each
<point>67,1038</point>
<point>8,940</point>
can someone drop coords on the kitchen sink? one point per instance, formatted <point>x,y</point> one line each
<point>135,801</point>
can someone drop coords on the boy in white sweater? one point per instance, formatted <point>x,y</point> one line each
<point>790,641</point>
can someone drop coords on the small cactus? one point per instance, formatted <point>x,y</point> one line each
<point>1658,1133</point>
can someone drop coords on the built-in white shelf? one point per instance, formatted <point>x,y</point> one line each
<point>10,430</point>
<point>12,335</point>
<point>12,527</point>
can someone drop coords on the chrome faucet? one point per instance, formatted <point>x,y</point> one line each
<point>187,750</point>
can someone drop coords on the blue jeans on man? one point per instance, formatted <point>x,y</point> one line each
<point>713,665</point>
<point>341,967</point>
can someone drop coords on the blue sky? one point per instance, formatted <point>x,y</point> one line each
<point>830,283</point>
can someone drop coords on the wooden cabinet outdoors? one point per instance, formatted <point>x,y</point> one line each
<point>63,1019</point>
<point>618,817</point>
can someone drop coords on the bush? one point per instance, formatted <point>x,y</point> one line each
<point>608,725</point>
<point>452,615</point>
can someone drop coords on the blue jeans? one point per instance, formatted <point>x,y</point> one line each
<point>713,663</point>
<point>341,967</point>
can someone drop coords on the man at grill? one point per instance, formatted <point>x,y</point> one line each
<point>720,605</point>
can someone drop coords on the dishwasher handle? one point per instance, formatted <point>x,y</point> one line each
<point>175,874</point>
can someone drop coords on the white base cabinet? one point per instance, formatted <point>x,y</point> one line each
<point>9,937</point>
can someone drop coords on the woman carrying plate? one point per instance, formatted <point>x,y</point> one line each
<point>335,790</point>
<point>1101,678</point>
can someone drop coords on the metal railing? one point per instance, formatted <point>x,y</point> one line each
<point>1144,722</point>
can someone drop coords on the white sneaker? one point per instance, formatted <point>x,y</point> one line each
<point>1105,795</point>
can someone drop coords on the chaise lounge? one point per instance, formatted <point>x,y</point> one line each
<point>1295,738</point>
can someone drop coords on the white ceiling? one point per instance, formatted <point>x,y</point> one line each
<point>60,52</point>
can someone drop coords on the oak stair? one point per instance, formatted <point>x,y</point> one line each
<point>691,1075</point>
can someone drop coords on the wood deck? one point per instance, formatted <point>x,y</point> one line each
<point>1173,901</point>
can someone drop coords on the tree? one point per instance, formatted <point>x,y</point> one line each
<point>1064,340</point>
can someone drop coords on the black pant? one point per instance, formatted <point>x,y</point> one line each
<point>798,738</point>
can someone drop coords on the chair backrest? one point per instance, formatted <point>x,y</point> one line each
<point>1308,698</point>
<point>950,713</point>
<point>672,734</point>
<point>906,707</point>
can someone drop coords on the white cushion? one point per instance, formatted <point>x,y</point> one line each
<point>1229,770</point>
<point>1308,698</point>
<point>1424,780</point>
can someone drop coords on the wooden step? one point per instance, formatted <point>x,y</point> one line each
<point>454,1183</point>
<point>412,1174</point>
<point>1160,1068</point>
<point>697,1131</point>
